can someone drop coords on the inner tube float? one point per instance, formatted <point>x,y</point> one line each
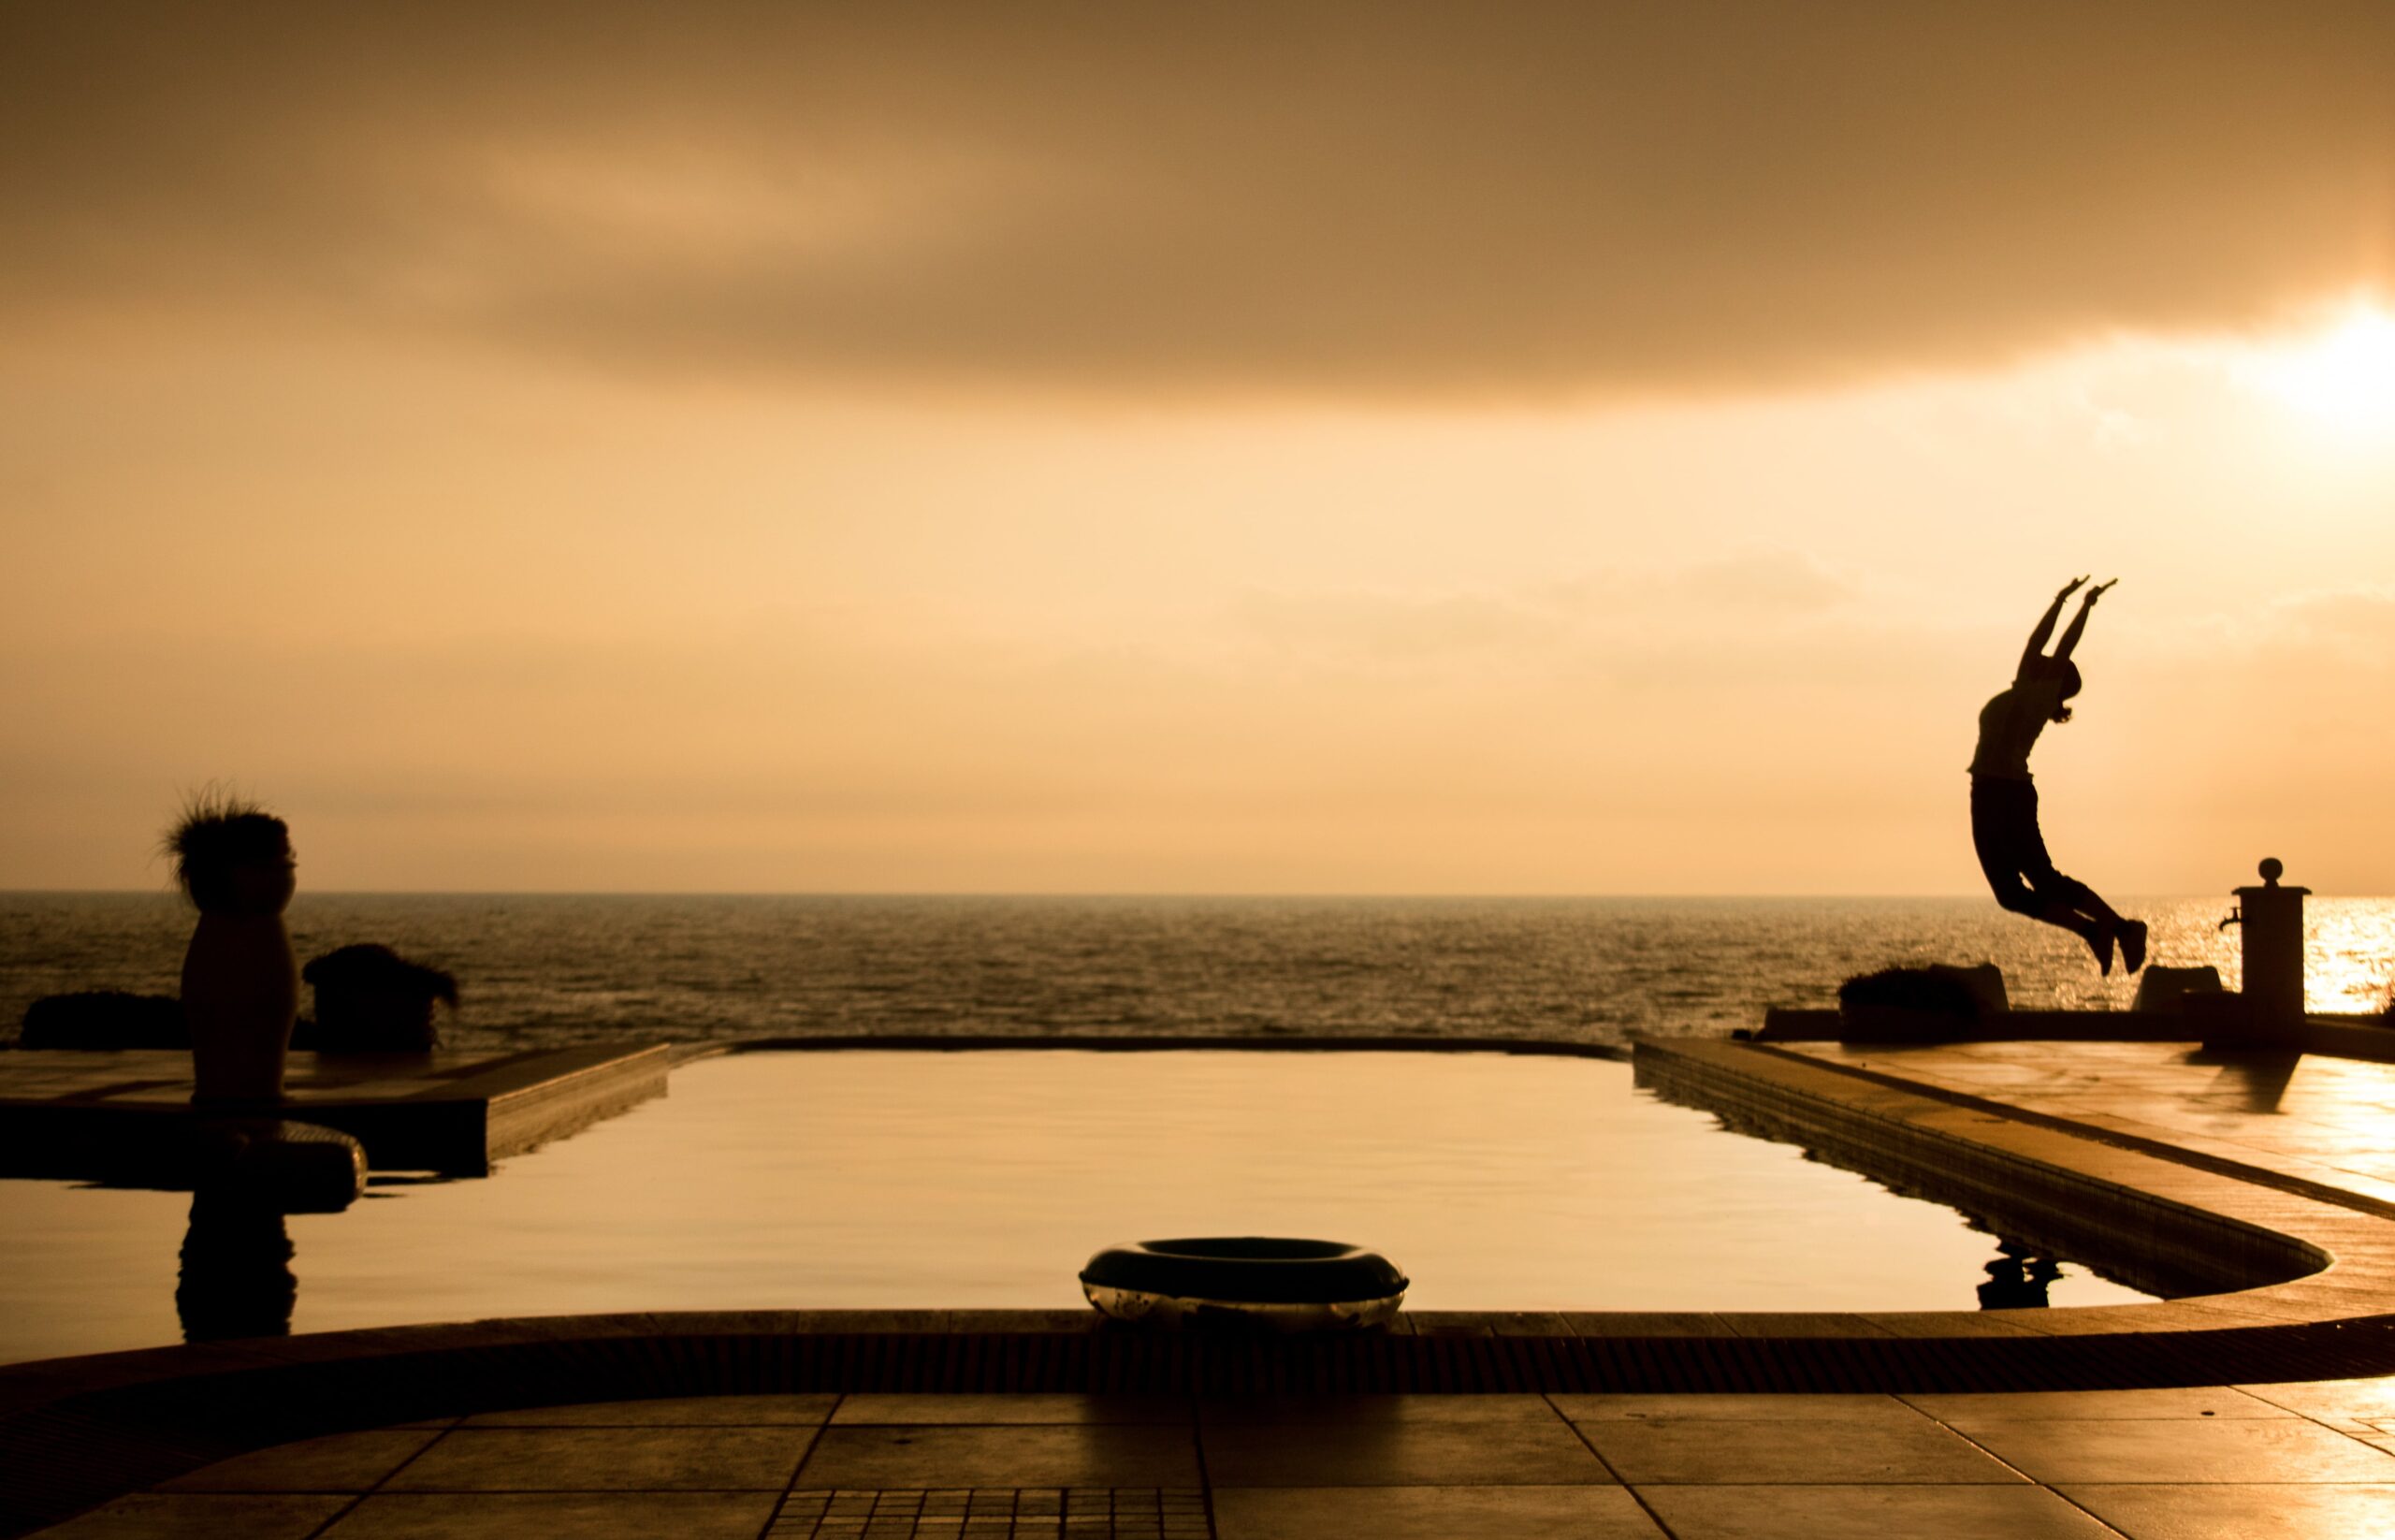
<point>1250,1281</point>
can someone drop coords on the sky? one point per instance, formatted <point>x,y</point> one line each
<point>1533,449</point>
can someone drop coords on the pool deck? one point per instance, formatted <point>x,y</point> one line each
<point>118,1117</point>
<point>2263,1407</point>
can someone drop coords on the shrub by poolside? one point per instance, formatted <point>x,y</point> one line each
<point>372,1000</point>
<point>1906,1005</point>
<point>1930,990</point>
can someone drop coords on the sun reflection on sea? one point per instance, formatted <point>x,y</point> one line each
<point>2349,956</point>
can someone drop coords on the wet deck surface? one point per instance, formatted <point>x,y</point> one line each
<point>2321,1119</point>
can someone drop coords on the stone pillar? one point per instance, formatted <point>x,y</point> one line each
<point>2270,919</point>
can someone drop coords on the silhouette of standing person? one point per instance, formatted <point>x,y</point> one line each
<point>2004,800</point>
<point>241,987</point>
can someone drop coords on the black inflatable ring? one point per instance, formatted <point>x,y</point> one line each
<point>1289,1285</point>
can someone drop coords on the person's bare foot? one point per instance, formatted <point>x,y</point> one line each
<point>2133,944</point>
<point>2099,941</point>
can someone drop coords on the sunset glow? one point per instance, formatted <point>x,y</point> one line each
<point>798,450</point>
<point>2344,377</point>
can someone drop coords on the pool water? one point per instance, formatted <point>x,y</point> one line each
<point>870,1179</point>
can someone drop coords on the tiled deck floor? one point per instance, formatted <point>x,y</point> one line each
<point>2257,1462</point>
<point>2323,1119</point>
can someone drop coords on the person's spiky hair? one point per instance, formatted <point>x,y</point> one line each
<point>216,832</point>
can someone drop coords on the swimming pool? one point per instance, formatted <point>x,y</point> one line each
<point>898,1179</point>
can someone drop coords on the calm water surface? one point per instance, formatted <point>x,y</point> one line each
<point>832,1179</point>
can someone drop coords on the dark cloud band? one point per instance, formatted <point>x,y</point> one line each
<point>1352,199</point>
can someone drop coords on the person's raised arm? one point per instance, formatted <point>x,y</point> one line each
<point>2037,648</point>
<point>2079,621</point>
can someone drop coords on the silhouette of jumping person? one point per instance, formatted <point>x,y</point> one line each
<point>2004,800</point>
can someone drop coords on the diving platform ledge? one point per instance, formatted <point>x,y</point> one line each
<point>89,1116</point>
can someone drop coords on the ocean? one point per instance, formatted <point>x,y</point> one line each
<point>544,969</point>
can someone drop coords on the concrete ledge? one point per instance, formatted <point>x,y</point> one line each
<point>2367,1037</point>
<point>291,1166</point>
<point>2151,1226</point>
<point>973,1043</point>
<point>455,1112</point>
<point>1786,1024</point>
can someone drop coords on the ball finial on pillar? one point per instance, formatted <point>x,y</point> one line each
<point>2271,870</point>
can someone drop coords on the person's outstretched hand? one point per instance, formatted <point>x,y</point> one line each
<point>2097,591</point>
<point>2072,586</point>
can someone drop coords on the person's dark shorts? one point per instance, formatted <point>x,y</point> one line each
<point>2004,832</point>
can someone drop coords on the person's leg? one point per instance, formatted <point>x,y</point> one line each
<point>1996,825</point>
<point>2057,900</point>
<point>2133,944</point>
<point>2053,887</point>
<point>2055,890</point>
<point>2098,933</point>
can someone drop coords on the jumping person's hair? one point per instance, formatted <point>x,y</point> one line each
<point>2067,682</point>
<point>216,833</point>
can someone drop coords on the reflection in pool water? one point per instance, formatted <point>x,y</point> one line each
<point>894,1179</point>
<point>236,1278</point>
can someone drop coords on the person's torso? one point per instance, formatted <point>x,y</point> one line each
<point>2008,728</point>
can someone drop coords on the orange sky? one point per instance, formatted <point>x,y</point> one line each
<point>1528,448</point>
